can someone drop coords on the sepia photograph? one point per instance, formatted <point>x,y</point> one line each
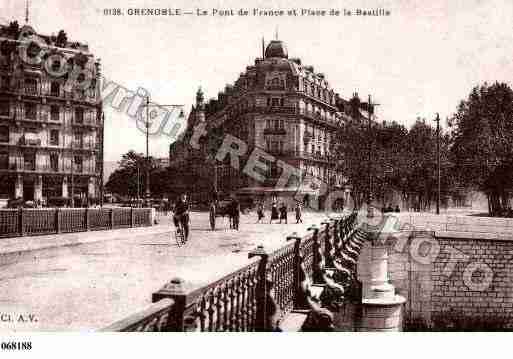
<point>258,166</point>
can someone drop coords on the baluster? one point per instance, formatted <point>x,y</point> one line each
<point>219,308</point>
<point>329,247</point>
<point>251,301</point>
<point>266,308</point>
<point>318,260</point>
<point>210,310</point>
<point>244,302</point>
<point>233,308</point>
<point>226,313</point>
<point>240,303</point>
<point>299,299</point>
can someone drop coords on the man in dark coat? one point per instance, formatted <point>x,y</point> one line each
<point>283,212</point>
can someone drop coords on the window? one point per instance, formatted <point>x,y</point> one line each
<point>98,165</point>
<point>30,111</point>
<point>79,115</point>
<point>54,113</point>
<point>5,82</point>
<point>77,140</point>
<point>4,134</point>
<point>29,161</point>
<point>4,160</point>
<point>54,162</point>
<point>55,89</point>
<point>31,86</point>
<point>275,102</point>
<point>77,167</point>
<point>268,102</point>
<point>4,108</point>
<point>54,137</point>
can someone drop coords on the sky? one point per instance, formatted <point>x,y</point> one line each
<point>422,59</point>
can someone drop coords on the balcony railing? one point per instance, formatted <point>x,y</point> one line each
<point>315,116</point>
<point>301,154</point>
<point>275,131</point>
<point>31,90</point>
<point>29,141</point>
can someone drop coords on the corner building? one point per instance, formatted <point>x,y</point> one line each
<point>277,105</point>
<point>51,135</point>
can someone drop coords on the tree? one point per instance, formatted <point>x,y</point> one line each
<point>13,29</point>
<point>129,179</point>
<point>402,160</point>
<point>126,180</point>
<point>482,143</point>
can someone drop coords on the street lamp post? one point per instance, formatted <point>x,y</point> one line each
<point>147,169</point>
<point>438,162</point>
<point>371,105</point>
<point>147,126</point>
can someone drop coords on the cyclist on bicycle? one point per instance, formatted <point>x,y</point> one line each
<point>181,215</point>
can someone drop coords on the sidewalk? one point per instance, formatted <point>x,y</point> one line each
<point>18,245</point>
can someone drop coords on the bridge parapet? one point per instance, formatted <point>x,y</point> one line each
<point>263,295</point>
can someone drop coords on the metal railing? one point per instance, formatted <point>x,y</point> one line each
<point>23,221</point>
<point>256,297</point>
<point>315,116</point>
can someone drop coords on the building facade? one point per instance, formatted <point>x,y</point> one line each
<point>279,106</point>
<point>51,119</point>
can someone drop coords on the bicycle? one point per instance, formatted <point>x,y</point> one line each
<point>180,232</point>
<point>179,235</point>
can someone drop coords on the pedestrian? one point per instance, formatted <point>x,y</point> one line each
<point>397,210</point>
<point>274,212</point>
<point>389,208</point>
<point>235,213</point>
<point>260,212</point>
<point>297,209</point>
<point>283,213</point>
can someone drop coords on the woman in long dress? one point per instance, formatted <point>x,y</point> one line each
<point>274,212</point>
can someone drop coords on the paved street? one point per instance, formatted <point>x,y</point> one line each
<point>88,286</point>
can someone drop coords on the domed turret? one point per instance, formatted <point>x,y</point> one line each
<point>276,48</point>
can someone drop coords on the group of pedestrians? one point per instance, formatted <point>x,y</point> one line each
<point>389,209</point>
<point>280,213</point>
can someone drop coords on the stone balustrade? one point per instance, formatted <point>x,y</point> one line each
<point>289,289</point>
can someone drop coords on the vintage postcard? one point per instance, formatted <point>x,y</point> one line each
<point>258,166</point>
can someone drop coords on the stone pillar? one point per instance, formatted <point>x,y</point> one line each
<point>65,187</point>
<point>382,309</point>
<point>38,189</point>
<point>18,187</point>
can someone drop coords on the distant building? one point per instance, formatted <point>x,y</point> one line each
<point>278,105</point>
<point>51,135</point>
